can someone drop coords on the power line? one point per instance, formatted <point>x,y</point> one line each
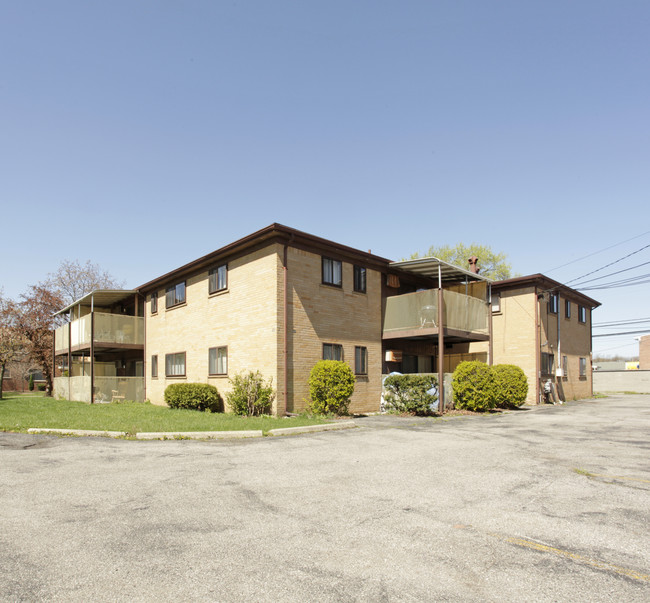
<point>622,333</point>
<point>607,265</point>
<point>584,257</point>
<point>622,322</point>
<point>610,274</point>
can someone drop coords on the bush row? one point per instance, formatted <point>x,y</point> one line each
<point>480,387</point>
<point>416,394</point>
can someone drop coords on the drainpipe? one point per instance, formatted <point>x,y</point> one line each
<point>490,327</point>
<point>537,348</point>
<point>285,314</point>
<point>559,348</point>
<point>92,349</point>
<point>441,347</point>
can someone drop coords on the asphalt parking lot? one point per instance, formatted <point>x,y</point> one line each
<point>547,504</point>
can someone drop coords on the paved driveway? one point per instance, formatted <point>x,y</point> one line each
<point>550,504</point>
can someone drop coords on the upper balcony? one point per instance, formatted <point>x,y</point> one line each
<point>416,315</point>
<point>110,331</point>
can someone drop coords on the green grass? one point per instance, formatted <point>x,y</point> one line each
<point>19,412</point>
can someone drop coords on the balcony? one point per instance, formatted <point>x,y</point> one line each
<point>416,315</point>
<point>111,331</point>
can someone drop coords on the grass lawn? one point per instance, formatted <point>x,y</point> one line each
<point>19,412</point>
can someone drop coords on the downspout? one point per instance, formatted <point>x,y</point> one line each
<point>69,353</point>
<point>559,349</point>
<point>92,349</point>
<point>441,347</point>
<point>537,349</point>
<point>145,366</point>
<point>490,327</point>
<point>285,318</point>
<point>591,351</point>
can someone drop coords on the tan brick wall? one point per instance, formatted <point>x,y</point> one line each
<point>244,318</point>
<point>514,341</point>
<point>644,353</point>
<point>323,314</point>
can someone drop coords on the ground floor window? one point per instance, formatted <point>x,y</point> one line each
<point>548,363</point>
<point>360,360</point>
<point>583,367</point>
<point>154,366</point>
<point>332,351</point>
<point>218,361</point>
<point>175,364</point>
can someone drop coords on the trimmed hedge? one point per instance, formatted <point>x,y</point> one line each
<point>480,387</point>
<point>410,393</point>
<point>193,396</point>
<point>250,395</point>
<point>331,383</point>
<point>510,386</point>
<point>472,384</point>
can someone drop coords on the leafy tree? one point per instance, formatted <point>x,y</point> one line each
<point>36,322</point>
<point>73,280</point>
<point>12,344</point>
<point>490,263</point>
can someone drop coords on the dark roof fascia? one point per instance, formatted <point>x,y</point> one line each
<point>275,233</point>
<point>547,283</point>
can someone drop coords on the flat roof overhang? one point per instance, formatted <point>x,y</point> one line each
<point>450,335</point>
<point>434,268</point>
<point>99,297</point>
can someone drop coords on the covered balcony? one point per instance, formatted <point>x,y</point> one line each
<point>99,352</point>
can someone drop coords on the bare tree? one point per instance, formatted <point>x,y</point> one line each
<point>12,343</point>
<point>73,280</point>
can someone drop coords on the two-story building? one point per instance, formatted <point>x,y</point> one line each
<point>277,301</point>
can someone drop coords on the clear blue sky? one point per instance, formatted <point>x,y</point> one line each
<point>143,134</point>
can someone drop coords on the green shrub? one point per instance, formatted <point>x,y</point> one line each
<point>331,383</point>
<point>409,393</point>
<point>250,395</point>
<point>31,382</point>
<point>472,383</point>
<point>194,396</point>
<point>510,385</point>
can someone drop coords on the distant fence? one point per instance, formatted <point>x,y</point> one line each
<point>622,381</point>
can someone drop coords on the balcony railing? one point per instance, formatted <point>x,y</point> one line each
<point>418,312</point>
<point>109,329</point>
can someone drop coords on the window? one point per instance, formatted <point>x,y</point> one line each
<point>360,360</point>
<point>331,272</point>
<point>582,314</point>
<point>154,302</point>
<point>552,303</point>
<point>218,361</point>
<point>218,279</point>
<point>175,365</point>
<point>496,302</point>
<point>359,279</point>
<point>332,351</point>
<point>154,366</point>
<point>567,308</point>
<point>583,367</point>
<point>175,295</point>
<point>565,366</point>
<point>548,362</point>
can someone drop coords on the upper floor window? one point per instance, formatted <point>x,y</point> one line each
<point>332,351</point>
<point>154,302</point>
<point>567,308</point>
<point>175,295</point>
<point>218,361</point>
<point>360,360</point>
<point>552,303</point>
<point>218,279</point>
<point>496,302</point>
<point>360,279</point>
<point>332,272</point>
<point>582,314</point>
<point>175,365</point>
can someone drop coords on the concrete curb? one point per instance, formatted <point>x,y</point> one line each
<point>198,435</point>
<point>78,432</point>
<point>312,428</point>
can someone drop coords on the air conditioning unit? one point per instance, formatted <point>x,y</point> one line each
<point>393,356</point>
